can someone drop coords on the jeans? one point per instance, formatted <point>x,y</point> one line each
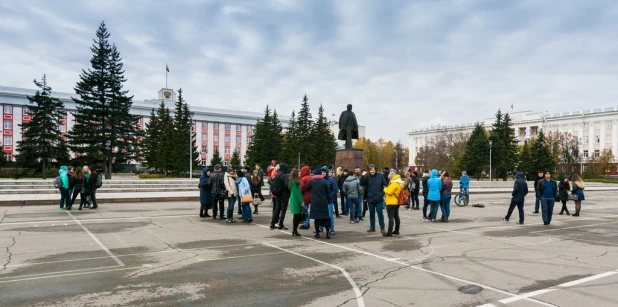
<point>331,207</point>
<point>359,208</point>
<point>307,220</point>
<point>373,208</point>
<point>246,211</point>
<point>93,197</point>
<point>280,210</point>
<point>537,204</point>
<point>433,204</point>
<point>74,196</point>
<point>344,204</point>
<point>217,200</point>
<point>230,207</point>
<point>353,204</point>
<point>547,207</point>
<point>425,204</point>
<point>520,209</point>
<point>240,206</point>
<point>65,198</point>
<point>445,205</point>
<point>393,215</point>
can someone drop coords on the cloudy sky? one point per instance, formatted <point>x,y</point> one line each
<point>402,64</point>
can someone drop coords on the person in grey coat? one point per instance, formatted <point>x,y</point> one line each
<point>520,190</point>
<point>352,188</point>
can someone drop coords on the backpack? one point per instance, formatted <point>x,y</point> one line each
<point>99,181</point>
<point>404,196</point>
<point>57,182</point>
<point>276,188</point>
<point>412,185</point>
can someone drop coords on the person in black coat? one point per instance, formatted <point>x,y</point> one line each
<point>563,194</point>
<point>281,205</point>
<point>342,197</point>
<point>425,193</point>
<point>520,190</point>
<point>319,202</point>
<point>375,184</point>
<point>537,202</point>
<point>205,193</point>
<point>218,190</point>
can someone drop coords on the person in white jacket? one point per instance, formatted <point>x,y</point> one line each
<point>229,179</point>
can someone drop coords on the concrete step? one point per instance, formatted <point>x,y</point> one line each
<point>145,181</point>
<point>101,190</point>
<point>111,186</point>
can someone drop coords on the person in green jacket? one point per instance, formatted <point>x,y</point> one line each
<point>296,200</point>
<point>65,198</point>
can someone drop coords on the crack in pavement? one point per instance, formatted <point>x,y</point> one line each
<point>371,282</point>
<point>8,250</point>
<point>5,211</point>
<point>390,302</point>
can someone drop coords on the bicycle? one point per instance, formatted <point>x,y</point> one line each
<point>463,198</point>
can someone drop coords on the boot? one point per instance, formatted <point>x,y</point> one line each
<point>389,233</point>
<point>327,233</point>
<point>206,213</point>
<point>202,209</point>
<point>255,211</point>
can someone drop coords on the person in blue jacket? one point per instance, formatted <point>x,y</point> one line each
<point>435,186</point>
<point>464,182</point>
<point>205,193</point>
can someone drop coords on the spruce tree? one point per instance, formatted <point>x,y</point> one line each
<point>476,157</point>
<point>503,147</point>
<point>290,144</point>
<point>152,137</point>
<point>235,160</point>
<point>42,145</point>
<point>541,155</point>
<point>159,142</point>
<point>276,138</point>
<point>256,151</point>
<point>216,158</point>
<point>181,133</point>
<point>322,142</point>
<point>304,124</point>
<point>104,131</point>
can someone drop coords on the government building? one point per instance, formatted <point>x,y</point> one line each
<point>227,130</point>
<point>596,129</point>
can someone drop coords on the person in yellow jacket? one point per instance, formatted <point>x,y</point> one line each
<point>392,192</point>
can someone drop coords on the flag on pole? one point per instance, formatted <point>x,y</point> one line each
<point>167,68</point>
<point>511,104</point>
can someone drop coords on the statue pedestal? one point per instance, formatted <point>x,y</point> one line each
<point>349,158</point>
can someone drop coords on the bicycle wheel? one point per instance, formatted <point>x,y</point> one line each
<point>458,199</point>
<point>466,200</point>
<point>462,200</point>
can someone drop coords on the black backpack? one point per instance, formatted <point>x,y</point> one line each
<point>276,188</point>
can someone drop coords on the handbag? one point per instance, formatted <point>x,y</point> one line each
<point>573,197</point>
<point>246,199</point>
<point>303,214</point>
<point>257,201</point>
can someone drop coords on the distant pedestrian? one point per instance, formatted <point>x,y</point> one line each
<point>361,194</point>
<point>94,179</point>
<point>375,183</point>
<point>70,175</point>
<point>281,183</point>
<point>365,193</point>
<point>341,178</point>
<point>205,193</point>
<point>65,199</point>
<point>406,185</point>
<point>296,201</point>
<point>445,196</point>
<point>229,180</point>
<point>464,182</point>
<point>332,196</point>
<point>305,178</point>
<point>256,190</point>
<point>416,187</point>
<point>85,195</point>
<point>78,184</point>
<point>425,194</point>
<point>537,202</point>
<point>578,189</point>
<point>563,194</point>
<point>520,190</point>
<point>547,191</point>
<point>260,174</point>
<point>435,186</point>
<point>392,193</point>
<point>244,192</point>
<point>218,191</point>
<point>320,203</point>
<point>352,189</point>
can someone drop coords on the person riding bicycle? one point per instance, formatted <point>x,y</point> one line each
<point>464,182</point>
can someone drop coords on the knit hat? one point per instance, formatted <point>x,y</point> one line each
<point>445,174</point>
<point>318,171</point>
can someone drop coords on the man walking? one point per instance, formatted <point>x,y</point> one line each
<point>520,190</point>
<point>332,196</point>
<point>375,183</point>
<point>218,191</point>
<point>547,191</point>
<point>93,182</point>
<point>539,177</point>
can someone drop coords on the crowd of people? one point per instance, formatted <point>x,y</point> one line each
<point>83,181</point>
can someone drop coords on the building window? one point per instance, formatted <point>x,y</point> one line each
<point>585,140</point>
<point>63,128</point>
<point>204,137</point>
<point>216,138</point>
<point>237,140</point>
<point>8,157</point>
<point>227,138</point>
<point>596,125</point>
<point>248,140</point>
<point>140,120</point>
<point>203,162</point>
<point>238,127</point>
<point>26,111</point>
<point>585,154</point>
<point>204,125</point>
<point>609,125</point>
<point>226,163</point>
<point>215,126</point>
<point>8,140</point>
<point>608,138</point>
<point>597,139</point>
<point>226,151</point>
<point>596,153</point>
<point>8,124</point>
<point>8,109</point>
<point>227,127</point>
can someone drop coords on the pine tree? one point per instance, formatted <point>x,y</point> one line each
<point>476,157</point>
<point>322,142</point>
<point>304,125</point>
<point>42,143</point>
<point>159,143</point>
<point>525,162</point>
<point>235,160</point>
<point>503,145</point>
<point>259,143</point>
<point>541,155</point>
<point>290,144</point>
<point>183,125</point>
<point>216,158</point>
<point>105,131</point>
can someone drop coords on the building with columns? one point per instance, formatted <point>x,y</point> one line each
<point>596,129</point>
<point>227,130</point>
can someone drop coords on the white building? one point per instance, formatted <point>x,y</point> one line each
<point>596,129</point>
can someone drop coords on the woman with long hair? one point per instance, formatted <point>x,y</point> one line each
<point>296,200</point>
<point>563,194</point>
<point>78,183</point>
<point>445,196</point>
<point>256,189</point>
<point>244,192</point>
<point>577,189</point>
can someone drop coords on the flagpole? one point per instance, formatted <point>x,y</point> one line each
<point>166,78</point>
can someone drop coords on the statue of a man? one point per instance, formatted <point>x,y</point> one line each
<point>348,127</point>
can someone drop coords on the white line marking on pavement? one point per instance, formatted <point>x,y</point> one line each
<point>414,267</point>
<point>70,271</point>
<point>96,240</point>
<point>554,288</point>
<point>359,295</point>
<point>100,220</point>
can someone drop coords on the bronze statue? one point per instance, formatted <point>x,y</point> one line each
<point>348,127</point>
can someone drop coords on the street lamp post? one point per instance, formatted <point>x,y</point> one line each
<point>191,114</point>
<point>299,160</point>
<point>490,141</point>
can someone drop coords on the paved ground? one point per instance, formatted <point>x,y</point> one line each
<point>162,254</point>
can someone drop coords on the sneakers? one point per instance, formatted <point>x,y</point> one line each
<point>520,223</point>
<point>352,222</point>
<point>61,209</point>
<point>303,227</point>
<point>506,220</point>
<point>371,230</point>
<point>332,232</point>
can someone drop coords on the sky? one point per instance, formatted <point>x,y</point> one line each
<point>402,64</point>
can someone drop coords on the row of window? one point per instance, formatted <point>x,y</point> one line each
<point>228,127</point>
<point>8,125</point>
<point>227,138</point>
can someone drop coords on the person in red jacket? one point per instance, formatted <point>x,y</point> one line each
<point>305,177</point>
